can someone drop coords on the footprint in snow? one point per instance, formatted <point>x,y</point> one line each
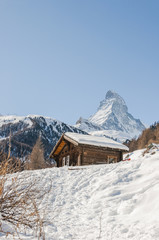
<point>114,193</point>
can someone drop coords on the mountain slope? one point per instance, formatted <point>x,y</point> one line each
<point>112,117</point>
<point>114,201</point>
<point>148,136</point>
<point>26,130</point>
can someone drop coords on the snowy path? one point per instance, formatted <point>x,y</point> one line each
<point>108,202</point>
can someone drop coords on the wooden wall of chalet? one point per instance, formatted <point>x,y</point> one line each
<point>86,155</point>
<point>100,155</point>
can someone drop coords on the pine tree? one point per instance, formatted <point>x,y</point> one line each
<point>37,160</point>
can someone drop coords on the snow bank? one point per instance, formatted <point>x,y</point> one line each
<point>108,202</point>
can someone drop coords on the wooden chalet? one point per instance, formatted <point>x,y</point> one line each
<point>75,149</point>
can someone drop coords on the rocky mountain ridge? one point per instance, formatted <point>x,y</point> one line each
<point>25,131</point>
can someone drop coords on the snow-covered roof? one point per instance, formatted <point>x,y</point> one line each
<point>95,141</point>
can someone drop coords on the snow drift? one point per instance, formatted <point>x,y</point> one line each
<point>115,201</point>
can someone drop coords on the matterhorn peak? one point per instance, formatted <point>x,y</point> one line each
<point>111,94</point>
<point>115,96</point>
<point>112,115</point>
<point>113,100</point>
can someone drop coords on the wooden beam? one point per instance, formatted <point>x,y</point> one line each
<point>71,140</point>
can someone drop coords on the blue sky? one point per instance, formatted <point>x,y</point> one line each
<point>59,58</point>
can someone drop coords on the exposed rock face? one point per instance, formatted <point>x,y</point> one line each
<point>112,115</point>
<point>26,130</point>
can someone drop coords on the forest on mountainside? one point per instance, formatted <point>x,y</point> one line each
<point>148,136</point>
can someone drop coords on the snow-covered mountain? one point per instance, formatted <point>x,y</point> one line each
<point>112,119</point>
<point>26,130</point>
